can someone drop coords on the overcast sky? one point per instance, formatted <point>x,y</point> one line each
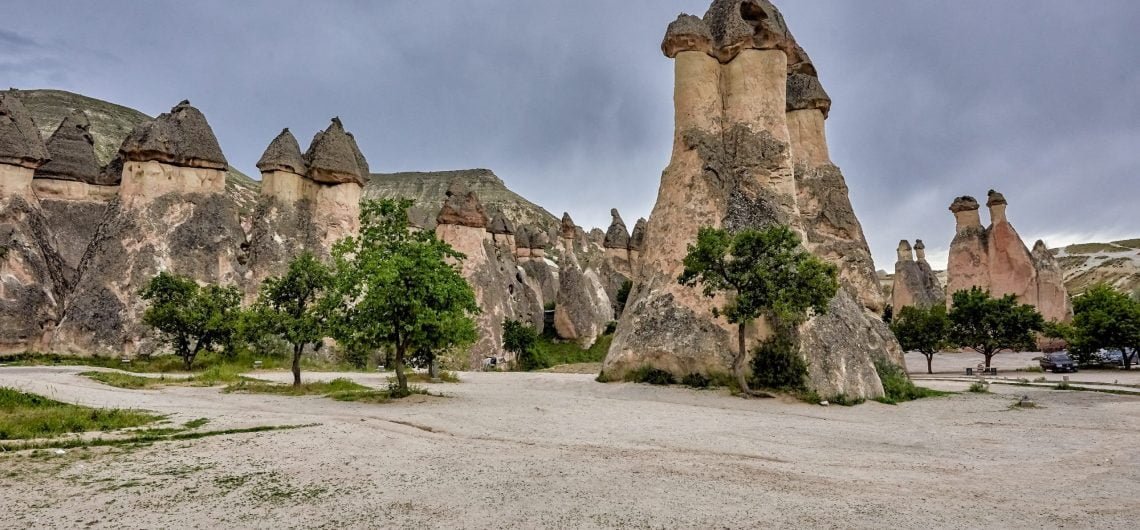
<point>571,102</point>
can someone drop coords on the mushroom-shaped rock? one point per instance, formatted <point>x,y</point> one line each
<point>361,162</point>
<point>995,199</point>
<point>637,239</point>
<point>919,250</point>
<point>617,236</point>
<point>568,230</point>
<point>181,137</point>
<point>806,92</point>
<point>501,225</point>
<point>462,207</point>
<point>904,251</point>
<point>964,203</point>
<point>747,24</point>
<point>72,150</point>
<point>687,33</point>
<point>333,157</point>
<point>20,140</point>
<point>283,154</point>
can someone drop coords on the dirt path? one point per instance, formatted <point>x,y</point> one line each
<point>542,450</point>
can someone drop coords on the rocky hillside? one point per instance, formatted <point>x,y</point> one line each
<point>429,189</point>
<point>110,124</point>
<point>1116,263</point>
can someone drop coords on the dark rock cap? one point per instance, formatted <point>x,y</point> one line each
<point>20,140</point>
<point>806,92</point>
<point>539,240</point>
<point>522,237</point>
<point>747,24</point>
<point>964,203</point>
<point>637,239</point>
<point>333,157</point>
<point>283,154</point>
<point>181,137</point>
<point>569,230</point>
<point>501,225</point>
<point>919,245</point>
<point>618,235</point>
<point>72,150</point>
<point>361,162</point>
<point>462,208</point>
<point>687,33</point>
<point>995,199</point>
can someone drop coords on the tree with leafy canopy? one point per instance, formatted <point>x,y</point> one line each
<point>522,340</point>
<point>292,306</point>
<point>400,288</point>
<point>1104,318</point>
<point>925,330</point>
<point>190,318</point>
<point>762,273</point>
<point>990,325</point>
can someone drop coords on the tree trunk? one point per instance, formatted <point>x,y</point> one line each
<point>739,368</point>
<point>929,363</point>
<point>297,349</point>
<point>433,369</point>
<point>989,358</point>
<point>1127,356</point>
<point>401,377</point>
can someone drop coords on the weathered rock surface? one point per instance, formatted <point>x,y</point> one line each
<point>72,151</point>
<point>501,287</point>
<point>32,282</point>
<point>915,283</point>
<point>734,166</point>
<point>334,158</point>
<point>168,217</point>
<point>20,141</point>
<point>583,308</point>
<point>996,259</point>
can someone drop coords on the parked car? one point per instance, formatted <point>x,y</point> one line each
<point>1113,358</point>
<point>1057,362</point>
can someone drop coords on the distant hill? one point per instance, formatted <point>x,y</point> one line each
<point>428,190</point>
<point>1116,263</point>
<point>110,124</point>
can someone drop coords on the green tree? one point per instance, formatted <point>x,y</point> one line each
<point>924,330</point>
<point>763,273</point>
<point>190,318</point>
<point>1105,318</point>
<point>989,325</point>
<point>395,287</point>
<point>522,340</point>
<point>290,306</point>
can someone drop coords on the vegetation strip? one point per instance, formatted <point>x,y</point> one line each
<point>26,416</point>
<point>144,438</point>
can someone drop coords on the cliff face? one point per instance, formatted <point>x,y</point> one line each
<point>734,165</point>
<point>171,213</point>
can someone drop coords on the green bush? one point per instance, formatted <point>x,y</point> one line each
<point>899,387</point>
<point>979,387</point>
<point>777,364</point>
<point>650,375</point>
<point>696,380</point>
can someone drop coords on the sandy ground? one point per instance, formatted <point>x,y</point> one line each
<point>559,450</point>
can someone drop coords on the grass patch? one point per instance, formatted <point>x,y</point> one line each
<point>222,374</point>
<point>321,388</point>
<point>417,377</point>
<point>162,364</point>
<point>650,375</point>
<point>144,438</point>
<point>194,424</point>
<point>26,416</point>
<point>979,387</point>
<point>122,380</point>
<point>898,386</point>
<point>1063,385</point>
<point>554,353</point>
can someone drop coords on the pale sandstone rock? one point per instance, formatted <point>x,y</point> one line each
<point>462,207</point>
<point>1052,297</point>
<point>583,308</point>
<point>968,264</point>
<point>915,282</point>
<point>1011,265</point>
<point>732,167</point>
<point>32,274</point>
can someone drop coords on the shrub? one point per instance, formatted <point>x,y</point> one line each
<point>650,375</point>
<point>898,387</point>
<point>696,380</point>
<point>777,364</point>
<point>1063,385</point>
<point>979,387</point>
<point>522,340</point>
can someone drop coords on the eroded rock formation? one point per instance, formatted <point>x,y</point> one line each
<point>995,259</point>
<point>915,282</point>
<point>32,282</point>
<point>308,202</point>
<point>172,214</point>
<point>734,166</point>
<point>500,285</point>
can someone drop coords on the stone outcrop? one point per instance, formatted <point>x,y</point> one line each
<point>172,213</point>
<point>832,231</point>
<point>32,282</point>
<point>297,212</point>
<point>995,259</point>
<point>734,166</point>
<point>500,285</point>
<point>584,308</point>
<point>1052,296</point>
<point>616,244</point>
<point>915,282</point>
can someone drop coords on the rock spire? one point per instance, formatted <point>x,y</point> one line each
<point>20,140</point>
<point>181,137</point>
<point>283,154</point>
<point>72,150</point>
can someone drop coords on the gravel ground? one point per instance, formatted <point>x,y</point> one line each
<point>559,450</point>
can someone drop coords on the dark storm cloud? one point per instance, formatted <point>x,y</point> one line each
<point>570,102</point>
